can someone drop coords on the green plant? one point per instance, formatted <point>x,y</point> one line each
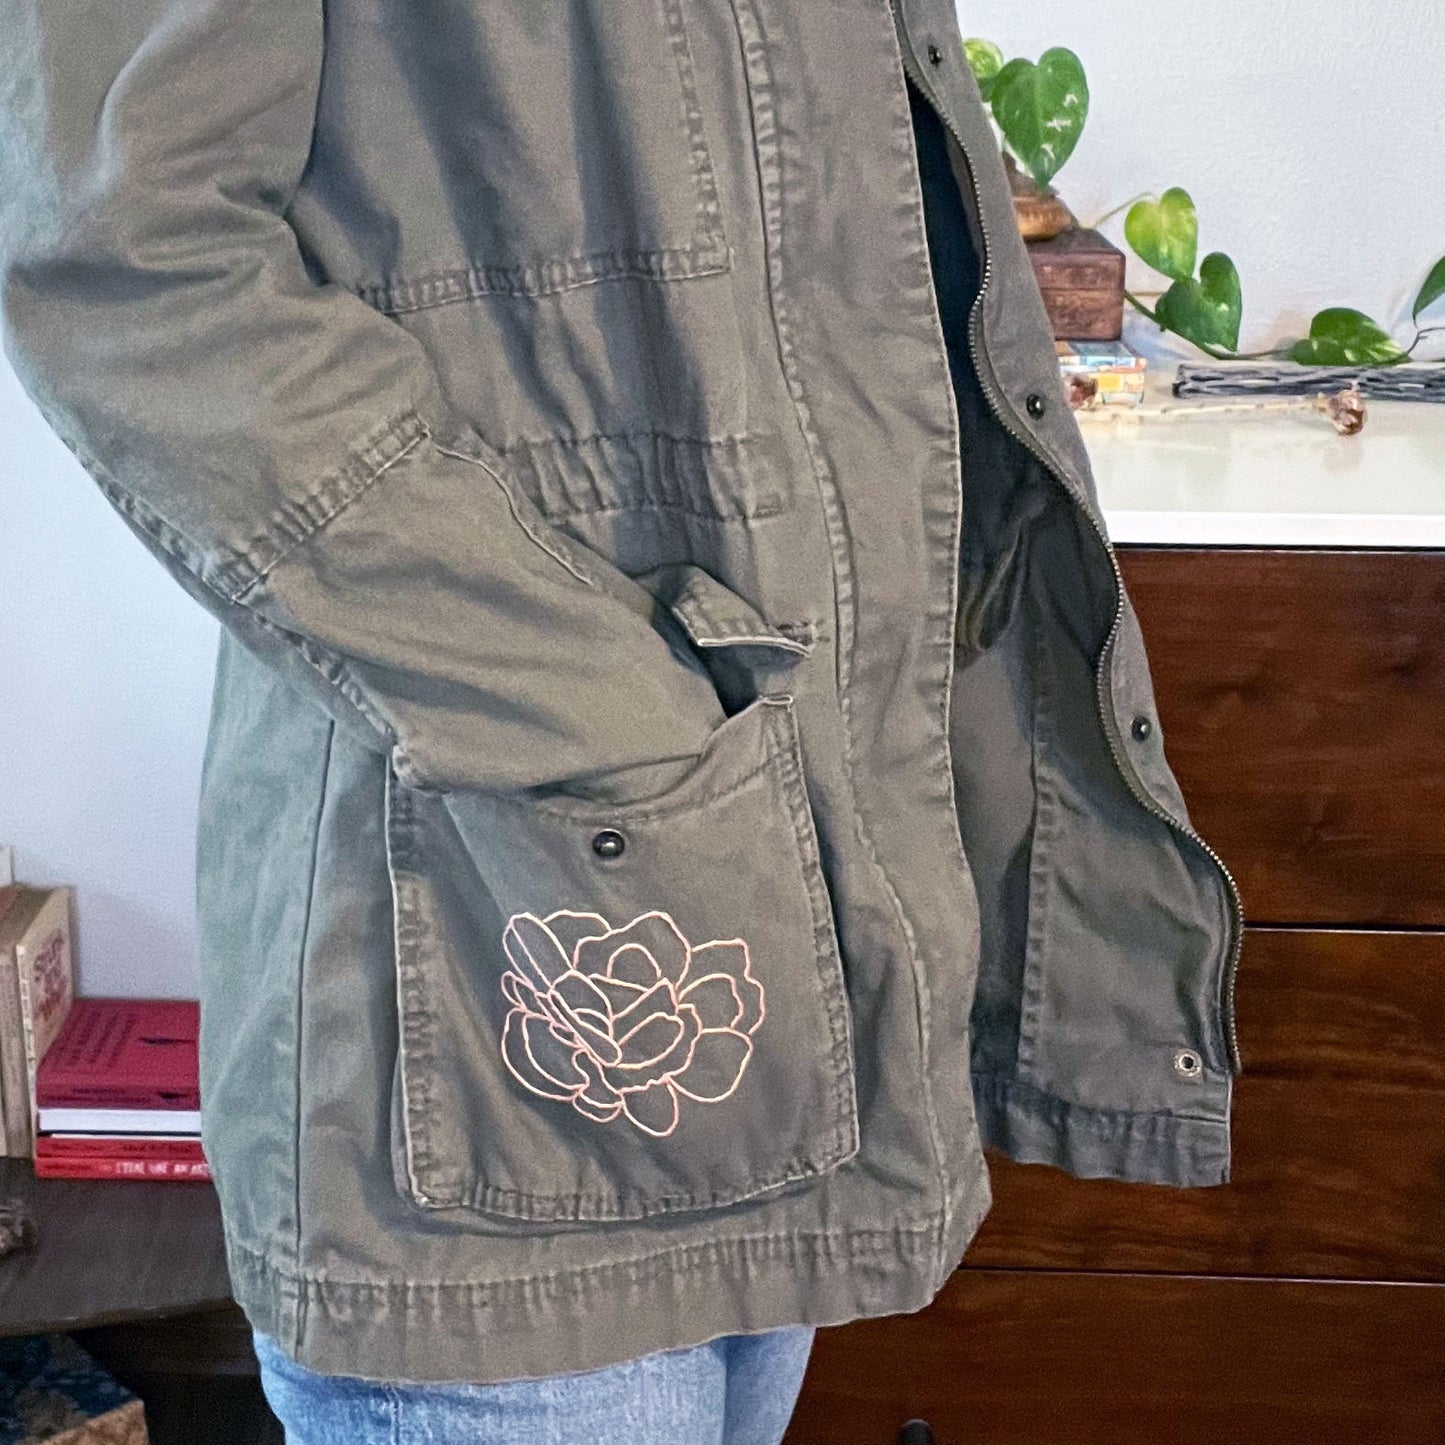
<point>1040,106</point>
<point>1208,309</point>
<point>1040,109</point>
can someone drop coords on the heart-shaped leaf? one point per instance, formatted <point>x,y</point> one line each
<point>1207,311</point>
<point>985,59</point>
<point>1041,109</point>
<point>1165,233</point>
<point>1342,337</point>
<point>1431,291</point>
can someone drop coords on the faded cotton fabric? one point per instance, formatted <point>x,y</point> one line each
<point>737,1390</point>
<point>683,773</point>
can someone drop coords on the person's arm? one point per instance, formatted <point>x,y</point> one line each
<point>284,449</point>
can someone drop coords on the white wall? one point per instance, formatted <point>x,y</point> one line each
<point>1310,136</point>
<point>105,672</point>
<point>1312,153</point>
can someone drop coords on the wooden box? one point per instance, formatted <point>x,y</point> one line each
<point>1081,275</point>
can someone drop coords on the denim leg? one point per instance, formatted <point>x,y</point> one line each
<point>738,1390</point>
<point>764,1375</point>
<point>317,1409</point>
<point>674,1397</point>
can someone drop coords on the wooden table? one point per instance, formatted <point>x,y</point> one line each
<point>136,1272</point>
<point>110,1252</point>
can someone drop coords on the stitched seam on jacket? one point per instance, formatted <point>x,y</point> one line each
<point>1041,847</point>
<point>332,668</point>
<point>661,506</point>
<point>472,280</point>
<point>720,480</point>
<point>536,535</point>
<point>311,513</point>
<point>400,843</point>
<point>300,1009</point>
<point>175,543</point>
<point>708,220</point>
<point>641,813</point>
<point>835,522</point>
<point>859,1241</point>
<point>561,440</point>
<point>604,1208</point>
<point>997,1084</point>
<point>832,984</point>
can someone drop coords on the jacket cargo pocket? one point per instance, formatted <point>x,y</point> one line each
<point>611,1012</point>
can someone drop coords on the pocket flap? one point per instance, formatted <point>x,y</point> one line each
<point>712,613</point>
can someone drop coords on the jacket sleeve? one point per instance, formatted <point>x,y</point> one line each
<point>285,450</point>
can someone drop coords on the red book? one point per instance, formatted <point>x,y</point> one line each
<point>121,1169</point>
<point>124,1053</point>
<point>100,1156</point>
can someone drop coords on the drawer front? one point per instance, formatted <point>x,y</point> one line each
<point>1302,701</point>
<point>1302,697</point>
<point>1019,1358</point>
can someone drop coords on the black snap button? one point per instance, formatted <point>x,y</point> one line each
<point>1037,405</point>
<point>1142,727</point>
<point>609,843</point>
<point>935,55</point>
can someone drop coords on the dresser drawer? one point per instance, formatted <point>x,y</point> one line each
<point>1015,1358</point>
<point>1303,1300</point>
<point>1302,696</point>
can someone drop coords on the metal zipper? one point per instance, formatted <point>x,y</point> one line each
<point>1008,418</point>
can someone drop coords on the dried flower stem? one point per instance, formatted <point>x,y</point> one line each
<point>1346,410</point>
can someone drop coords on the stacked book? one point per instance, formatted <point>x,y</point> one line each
<point>118,1092</point>
<point>1101,373</point>
<point>90,1088</point>
<point>37,987</point>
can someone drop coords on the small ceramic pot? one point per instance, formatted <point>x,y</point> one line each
<point>1041,215</point>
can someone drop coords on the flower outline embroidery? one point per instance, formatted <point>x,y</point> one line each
<point>629,1021</point>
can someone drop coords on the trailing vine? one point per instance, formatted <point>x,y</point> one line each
<point>1040,109</point>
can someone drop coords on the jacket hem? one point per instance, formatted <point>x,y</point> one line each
<point>489,1330</point>
<point>1032,1127</point>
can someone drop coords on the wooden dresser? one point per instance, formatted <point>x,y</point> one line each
<point>1302,694</point>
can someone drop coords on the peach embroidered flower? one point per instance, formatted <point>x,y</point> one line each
<point>626,1021</point>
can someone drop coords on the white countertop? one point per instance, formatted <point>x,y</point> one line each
<point>1266,480</point>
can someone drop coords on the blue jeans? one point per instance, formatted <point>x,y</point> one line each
<point>737,1390</point>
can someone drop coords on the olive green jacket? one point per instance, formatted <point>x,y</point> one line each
<point>683,775</point>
